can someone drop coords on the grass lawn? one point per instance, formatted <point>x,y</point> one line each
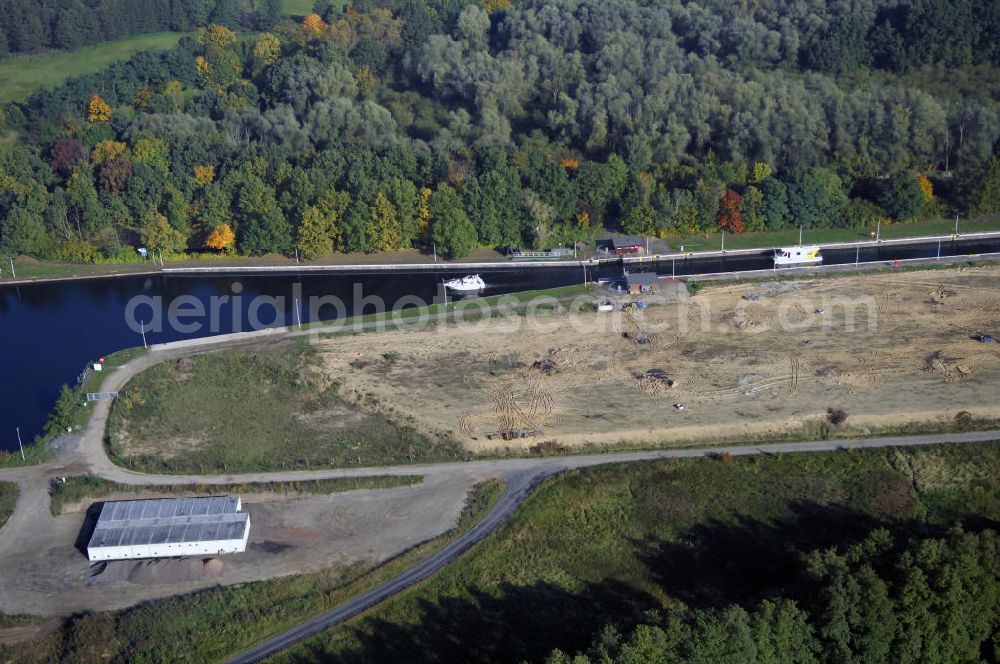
<point>470,309</point>
<point>8,498</point>
<point>21,75</point>
<point>790,236</point>
<point>214,624</point>
<point>298,7</point>
<point>113,361</point>
<point>27,267</point>
<point>34,453</point>
<point>31,268</point>
<point>91,487</point>
<point>303,7</point>
<point>590,547</point>
<point>604,545</point>
<point>242,411</point>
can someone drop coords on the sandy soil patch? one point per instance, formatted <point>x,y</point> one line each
<point>888,349</point>
<point>49,575</point>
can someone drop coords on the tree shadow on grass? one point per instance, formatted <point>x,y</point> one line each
<point>514,624</point>
<point>715,564</point>
<point>719,563</point>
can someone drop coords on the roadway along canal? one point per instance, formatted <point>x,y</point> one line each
<point>51,330</point>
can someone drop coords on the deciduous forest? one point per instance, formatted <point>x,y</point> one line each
<point>387,124</point>
<point>928,600</point>
<point>31,26</point>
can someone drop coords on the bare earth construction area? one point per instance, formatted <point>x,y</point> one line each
<point>746,361</point>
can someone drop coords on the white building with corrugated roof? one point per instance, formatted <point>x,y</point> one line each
<point>169,527</point>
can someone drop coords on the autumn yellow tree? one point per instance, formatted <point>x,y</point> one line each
<point>384,227</point>
<point>204,174</point>
<point>202,69</point>
<point>267,50</point>
<point>315,236</point>
<point>365,80</point>
<point>926,187</point>
<point>221,238</point>
<point>313,26</point>
<point>216,34</point>
<point>98,110</point>
<point>424,213</point>
<point>174,91</point>
<point>106,151</point>
<point>570,163</point>
<point>157,233</point>
<point>152,152</point>
<point>218,64</point>
<point>334,203</point>
<point>142,97</point>
<point>496,5</point>
<point>342,34</point>
<point>760,172</point>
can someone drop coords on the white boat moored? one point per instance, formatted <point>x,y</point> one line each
<point>472,282</point>
<point>789,256</point>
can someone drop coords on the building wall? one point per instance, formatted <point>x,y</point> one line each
<point>636,289</point>
<point>177,550</point>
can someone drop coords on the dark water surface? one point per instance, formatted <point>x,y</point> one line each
<point>50,331</point>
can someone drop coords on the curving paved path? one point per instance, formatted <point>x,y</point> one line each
<point>525,474</point>
<point>519,486</point>
<point>86,455</point>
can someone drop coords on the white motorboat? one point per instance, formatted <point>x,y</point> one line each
<point>472,282</point>
<point>789,256</point>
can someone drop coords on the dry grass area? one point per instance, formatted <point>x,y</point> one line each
<point>889,349</point>
<point>238,410</point>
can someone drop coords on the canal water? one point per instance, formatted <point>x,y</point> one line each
<point>762,260</point>
<point>50,331</point>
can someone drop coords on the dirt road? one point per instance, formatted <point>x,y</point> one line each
<point>44,573</point>
<point>519,485</point>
